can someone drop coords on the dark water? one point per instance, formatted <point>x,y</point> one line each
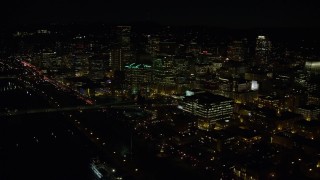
<point>42,147</point>
<point>39,146</point>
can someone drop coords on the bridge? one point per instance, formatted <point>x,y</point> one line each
<point>8,77</point>
<point>127,105</point>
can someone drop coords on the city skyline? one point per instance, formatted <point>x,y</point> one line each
<point>172,90</point>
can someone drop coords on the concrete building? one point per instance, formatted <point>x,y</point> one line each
<point>138,78</point>
<point>210,109</point>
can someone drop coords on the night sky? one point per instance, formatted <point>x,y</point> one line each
<point>223,13</point>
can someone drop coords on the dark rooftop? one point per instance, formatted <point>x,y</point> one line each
<point>208,98</point>
<point>309,107</point>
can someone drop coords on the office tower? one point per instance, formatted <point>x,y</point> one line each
<point>263,50</point>
<point>210,109</point>
<point>123,34</point>
<point>81,64</point>
<point>164,70</point>
<point>312,66</point>
<point>193,48</point>
<point>164,74</point>
<point>138,78</point>
<point>152,46</point>
<point>98,67</point>
<point>309,112</point>
<point>236,50</point>
<point>120,54</point>
<point>116,59</point>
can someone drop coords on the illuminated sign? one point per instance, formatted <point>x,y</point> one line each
<point>189,93</point>
<point>254,85</point>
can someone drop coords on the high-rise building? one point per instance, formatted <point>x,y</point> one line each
<point>236,50</point>
<point>81,64</point>
<point>193,48</point>
<point>182,65</point>
<point>120,54</point>
<point>152,46</point>
<point>263,50</point>
<point>138,78</point>
<point>308,80</point>
<point>164,70</point>
<point>309,112</point>
<point>97,67</point>
<point>123,36</point>
<point>210,109</point>
<point>164,74</point>
<point>313,66</point>
<point>116,59</point>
